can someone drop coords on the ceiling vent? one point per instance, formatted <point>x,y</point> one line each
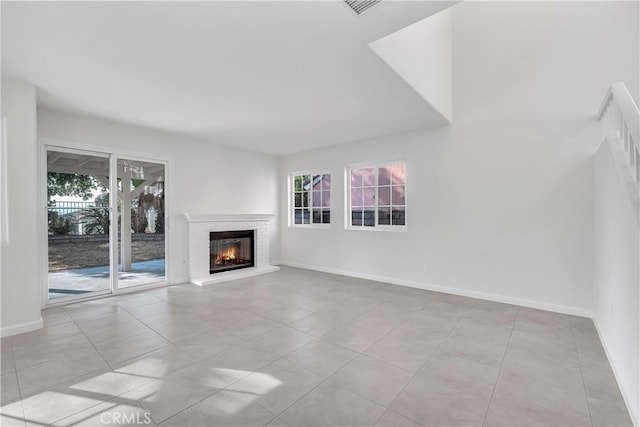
<point>360,6</point>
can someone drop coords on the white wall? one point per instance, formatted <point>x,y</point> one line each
<point>205,177</point>
<point>500,203</point>
<point>19,290</point>
<point>421,55</point>
<point>617,264</point>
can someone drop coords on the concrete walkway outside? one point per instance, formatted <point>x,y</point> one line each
<point>92,279</point>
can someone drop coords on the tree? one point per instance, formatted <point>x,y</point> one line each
<point>60,224</point>
<point>138,219</point>
<point>160,216</point>
<point>67,184</point>
<point>96,219</point>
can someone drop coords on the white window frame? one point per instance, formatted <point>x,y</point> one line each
<point>291,203</point>
<point>347,192</point>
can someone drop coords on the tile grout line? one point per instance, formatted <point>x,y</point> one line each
<point>111,368</point>
<point>171,344</point>
<point>331,376</point>
<point>584,386</point>
<point>412,377</point>
<point>88,373</point>
<point>15,372</point>
<point>495,385</point>
<point>422,366</point>
<point>240,379</point>
<point>232,383</point>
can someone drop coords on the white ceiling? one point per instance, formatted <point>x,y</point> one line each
<point>275,77</point>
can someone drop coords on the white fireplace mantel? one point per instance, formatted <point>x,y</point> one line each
<point>190,217</point>
<point>200,225</point>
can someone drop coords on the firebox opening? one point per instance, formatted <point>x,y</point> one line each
<point>230,250</point>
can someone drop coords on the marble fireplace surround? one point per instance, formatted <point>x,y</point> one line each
<point>199,227</point>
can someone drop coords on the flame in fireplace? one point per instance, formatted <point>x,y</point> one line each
<point>229,255</point>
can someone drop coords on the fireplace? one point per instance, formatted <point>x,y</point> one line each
<point>230,250</point>
<point>200,227</point>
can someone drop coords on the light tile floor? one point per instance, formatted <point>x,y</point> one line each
<point>304,348</point>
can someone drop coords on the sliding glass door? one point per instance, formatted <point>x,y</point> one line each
<point>141,233</point>
<point>77,223</point>
<point>105,223</point>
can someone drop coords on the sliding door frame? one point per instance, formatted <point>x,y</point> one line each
<point>114,229</point>
<point>92,294</point>
<point>113,153</point>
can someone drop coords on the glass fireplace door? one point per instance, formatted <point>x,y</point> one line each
<point>230,250</point>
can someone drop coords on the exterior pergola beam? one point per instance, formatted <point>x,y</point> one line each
<point>80,171</point>
<point>140,188</point>
<point>104,180</point>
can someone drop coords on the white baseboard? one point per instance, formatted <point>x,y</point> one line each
<point>21,328</point>
<point>556,308</point>
<point>635,419</point>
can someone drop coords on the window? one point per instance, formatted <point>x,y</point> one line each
<point>377,196</point>
<point>311,202</point>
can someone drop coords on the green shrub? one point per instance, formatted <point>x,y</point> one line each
<point>60,225</point>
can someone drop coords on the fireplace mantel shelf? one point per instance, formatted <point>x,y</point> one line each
<point>192,217</point>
